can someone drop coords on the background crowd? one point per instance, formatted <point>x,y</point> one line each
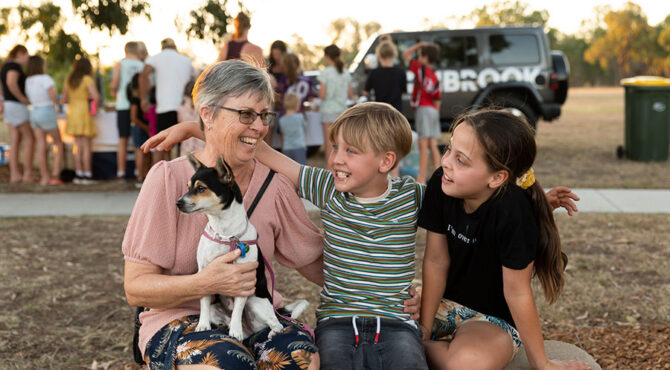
<point>152,93</point>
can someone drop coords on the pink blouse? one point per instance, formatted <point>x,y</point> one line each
<point>159,234</point>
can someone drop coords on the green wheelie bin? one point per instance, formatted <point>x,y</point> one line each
<point>647,126</point>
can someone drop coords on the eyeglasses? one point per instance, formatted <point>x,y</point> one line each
<point>248,117</point>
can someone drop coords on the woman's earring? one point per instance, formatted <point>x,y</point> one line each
<point>209,127</point>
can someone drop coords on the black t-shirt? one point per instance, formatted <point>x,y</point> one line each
<point>11,66</point>
<point>388,83</point>
<point>136,102</point>
<point>501,232</point>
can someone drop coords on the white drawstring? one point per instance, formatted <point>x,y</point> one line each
<point>379,329</point>
<point>353,321</point>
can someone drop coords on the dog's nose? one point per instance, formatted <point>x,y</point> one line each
<point>180,203</point>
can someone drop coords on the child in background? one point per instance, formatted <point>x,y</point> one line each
<point>426,100</point>
<point>292,128</point>
<point>387,81</point>
<point>186,112</point>
<point>140,128</point>
<point>334,89</point>
<point>123,72</point>
<point>490,230</point>
<point>41,91</point>
<point>79,87</point>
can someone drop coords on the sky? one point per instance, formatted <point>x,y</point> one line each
<point>280,19</point>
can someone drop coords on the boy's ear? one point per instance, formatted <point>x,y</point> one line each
<point>498,179</point>
<point>388,162</point>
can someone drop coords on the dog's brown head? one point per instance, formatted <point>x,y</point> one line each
<point>210,190</point>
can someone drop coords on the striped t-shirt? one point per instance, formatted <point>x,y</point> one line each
<point>369,247</point>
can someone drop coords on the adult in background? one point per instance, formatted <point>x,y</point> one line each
<point>239,46</point>
<point>277,50</point>
<point>123,73</point>
<point>233,100</point>
<point>276,69</point>
<point>172,71</point>
<point>16,114</point>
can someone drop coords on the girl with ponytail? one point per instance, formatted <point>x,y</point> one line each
<point>490,229</point>
<point>334,89</point>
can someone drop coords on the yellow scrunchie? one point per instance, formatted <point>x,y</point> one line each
<point>527,180</point>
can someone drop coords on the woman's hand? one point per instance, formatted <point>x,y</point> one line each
<point>413,305</point>
<point>561,196</point>
<point>232,280</point>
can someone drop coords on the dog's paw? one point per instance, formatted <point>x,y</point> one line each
<point>236,332</point>
<point>203,326</point>
<point>275,329</point>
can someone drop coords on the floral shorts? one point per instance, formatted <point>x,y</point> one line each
<point>177,343</point>
<point>450,315</point>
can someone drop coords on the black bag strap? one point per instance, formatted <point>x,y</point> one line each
<point>259,195</point>
<point>136,334</point>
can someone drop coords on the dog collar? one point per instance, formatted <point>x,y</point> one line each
<point>233,242</point>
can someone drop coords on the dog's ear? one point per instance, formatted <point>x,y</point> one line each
<point>225,173</point>
<point>195,163</point>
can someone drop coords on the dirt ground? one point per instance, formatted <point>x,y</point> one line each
<point>577,150</point>
<point>62,303</point>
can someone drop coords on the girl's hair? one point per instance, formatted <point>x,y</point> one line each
<point>509,145</point>
<point>291,64</point>
<point>134,84</point>
<point>386,50</point>
<point>333,52</point>
<point>16,50</point>
<point>279,45</point>
<point>80,68</point>
<point>36,66</point>
<point>229,79</point>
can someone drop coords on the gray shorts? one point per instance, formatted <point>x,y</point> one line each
<point>16,113</point>
<point>44,117</point>
<point>427,121</point>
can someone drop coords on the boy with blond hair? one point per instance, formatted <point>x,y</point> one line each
<point>292,129</point>
<point>370,222</point>
<point>123,73</point>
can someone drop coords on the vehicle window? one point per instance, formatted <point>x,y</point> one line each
<point>514,49</point>
<point>456,52</point>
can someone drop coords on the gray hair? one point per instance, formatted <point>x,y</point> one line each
<point>230,79</point>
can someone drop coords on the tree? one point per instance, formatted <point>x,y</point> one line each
<point>110,14</point>
<point>508,13</point>
<point>210,21</point>
<point>348,34</point>
<point>626,45</point>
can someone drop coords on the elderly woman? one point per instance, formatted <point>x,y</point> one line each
<point>233,100</point>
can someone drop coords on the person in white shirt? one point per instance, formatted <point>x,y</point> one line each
<point>172,72</point>
<point>41,91</point>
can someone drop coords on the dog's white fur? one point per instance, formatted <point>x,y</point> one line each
<point>227,223</point>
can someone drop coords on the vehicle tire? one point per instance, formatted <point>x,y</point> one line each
<point>517,107</point>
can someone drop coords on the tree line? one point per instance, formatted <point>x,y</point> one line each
<point>611,45</point>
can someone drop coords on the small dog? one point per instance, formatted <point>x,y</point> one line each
<point>214,193</point>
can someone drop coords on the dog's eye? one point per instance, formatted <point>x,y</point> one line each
<point>199,189</point>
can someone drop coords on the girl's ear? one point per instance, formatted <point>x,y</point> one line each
<point>498,179</point>
<point>387,163</point>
